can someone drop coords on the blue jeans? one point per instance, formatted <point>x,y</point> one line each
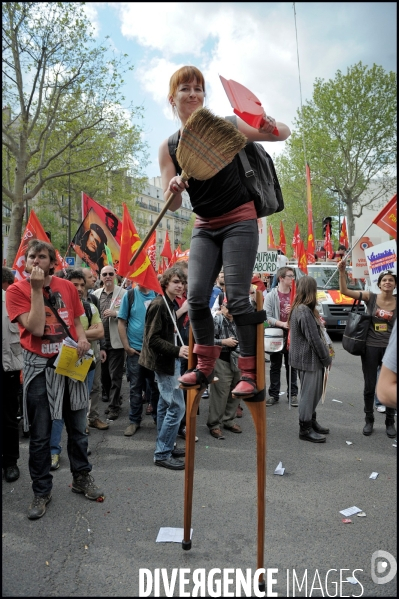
<point>138,376</point>
<point>58,424</point>
<point>234,247</point>
<point>171,410</point>
<point>40,433</point>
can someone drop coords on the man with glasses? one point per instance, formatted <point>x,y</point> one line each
<point>110,296</point>
<point>43,319</point>
<point>277,306</point>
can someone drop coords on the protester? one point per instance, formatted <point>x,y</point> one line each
<point>309,355</point>
<point>38,304</point>
<point>131,319</point>
<point>222,405</point>
<point>387,383</point>
<point>277,305</point>
<point>12,364</point>
<point>225,227</point>
<point>112,368</point>
<point>382,308</point>
<point>161,353</point>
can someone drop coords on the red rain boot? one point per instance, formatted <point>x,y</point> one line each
<point>202,374</point>
<point>247,384</point>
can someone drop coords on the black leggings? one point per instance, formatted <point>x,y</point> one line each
<point>234,247</point>
<point>371,359</point>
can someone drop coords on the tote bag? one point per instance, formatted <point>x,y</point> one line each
<point>356,330</point>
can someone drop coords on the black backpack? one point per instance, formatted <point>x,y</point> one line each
<point>88,312</point>
<point>259,176</point>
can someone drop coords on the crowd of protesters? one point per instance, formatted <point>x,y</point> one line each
<point>131,329</point>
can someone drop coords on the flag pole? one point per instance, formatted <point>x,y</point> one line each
<point>348,252</point>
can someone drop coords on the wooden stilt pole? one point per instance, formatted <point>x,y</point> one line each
<point>257,406</point>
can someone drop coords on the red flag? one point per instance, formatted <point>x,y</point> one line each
<point>327,243</point>
<point>386,218</point>
<point>33,230</point>
<point>343,235</point>
<point>174,256</point>
<point>106,216</point>
<point>141,271</point>
<point>183,255</point>
<point>161,266</point>
<point>166,250</point>
<point>92,240</point>
<point>311,245</point>
<point>271,244</point>
<point>152,250</point>
<point>283,243</point>
<point>302,261</point>
<point>296,240</point>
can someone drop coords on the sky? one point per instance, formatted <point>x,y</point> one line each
<point>252,43</point>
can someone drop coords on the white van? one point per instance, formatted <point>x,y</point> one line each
<point>331,303</point>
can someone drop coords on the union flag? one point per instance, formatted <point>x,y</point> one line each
<point>343,235</point>
<point>283,242</point>
<point>166,250</point>
<point>386,219</point>
<point>271,244</point>
<point>33,230</point>
<point>302,261</point>
<point>296,240</point>
<point>141,271</point>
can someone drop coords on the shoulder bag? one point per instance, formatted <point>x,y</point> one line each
<point>356,330</point>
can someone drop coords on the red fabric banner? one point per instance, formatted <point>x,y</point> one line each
<point>302,261</point>
<point>327,243</point>
<point>283,242</point>
<point>152,250</point>
<point>386,219</point>
<point>33,230</point>
<point>271,244</point>
<point>111,221</point>
<point>343,235</point>
<point>90,240</point>
<point>166,250</point>
<point>296,240</point>
<point>141,271</point>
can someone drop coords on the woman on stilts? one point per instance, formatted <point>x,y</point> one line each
<point>225,234</point>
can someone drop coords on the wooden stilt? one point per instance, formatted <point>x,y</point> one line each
<point>257,406</point>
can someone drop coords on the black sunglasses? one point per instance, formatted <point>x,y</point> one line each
<point>106,274</point>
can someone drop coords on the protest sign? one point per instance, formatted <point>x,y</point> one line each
<point>380,258</point>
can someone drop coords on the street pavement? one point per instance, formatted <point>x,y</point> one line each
<point>84,548</point>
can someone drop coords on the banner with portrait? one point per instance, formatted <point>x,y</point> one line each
<point>90,241</point>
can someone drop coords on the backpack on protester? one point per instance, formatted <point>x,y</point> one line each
<point>257,173</point>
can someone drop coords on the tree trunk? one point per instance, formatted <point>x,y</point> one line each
<point>350,221</point>
<point>14,237</point>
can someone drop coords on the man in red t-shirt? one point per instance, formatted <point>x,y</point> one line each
<point>48,309</point>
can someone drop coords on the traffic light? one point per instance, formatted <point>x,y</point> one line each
<point>326,221</point>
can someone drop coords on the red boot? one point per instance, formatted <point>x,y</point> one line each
<point>202,374</point>
<point>247,384</point>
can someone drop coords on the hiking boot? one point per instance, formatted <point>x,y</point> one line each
<point>306,433</point>
<point>83,482</point>
<point>97,423</point>
<point>55,461</point>
<point>131,429</point>
<point>317,427</point>
<point>37,508</point>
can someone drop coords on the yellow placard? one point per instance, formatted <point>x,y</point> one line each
<point>69,364</point>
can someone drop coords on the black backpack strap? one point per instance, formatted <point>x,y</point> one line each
<point>89,313</point>
<point>248,172</point>
<point>173,142</point>
<point>130,299</point>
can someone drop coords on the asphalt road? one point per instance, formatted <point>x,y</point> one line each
<point>83,548</point>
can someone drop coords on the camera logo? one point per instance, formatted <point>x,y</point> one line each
<point>383,567</point>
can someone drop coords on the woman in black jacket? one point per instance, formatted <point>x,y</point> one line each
<point>309,355</point>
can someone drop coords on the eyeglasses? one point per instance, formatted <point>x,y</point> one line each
<point>289,277</point>
<point>107,274</point>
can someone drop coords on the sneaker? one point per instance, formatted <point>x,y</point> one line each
<point>83,482</point>
<point>37,508</point>
<point>271,401</point>
<point>131,429</point>
<point>97,423</point>
<point>182,434</point>
<point>205,394</point>
<point>55,461</point>
<point>381,409</point>
<point>294,401</point>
